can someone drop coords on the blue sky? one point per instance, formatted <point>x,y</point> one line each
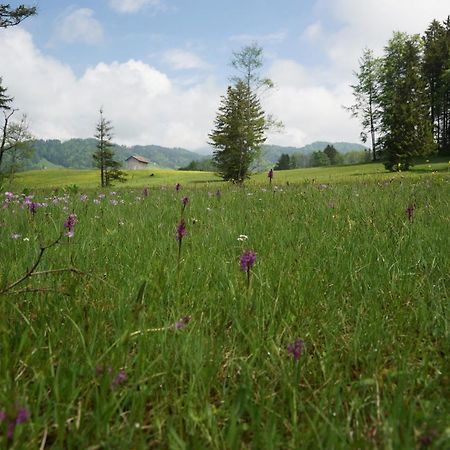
<point>159,67</point>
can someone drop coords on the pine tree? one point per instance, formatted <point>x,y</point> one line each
<point>4,99</point>
<point>284,162</point>
<point>405,126</point>
<point>332,153</point>
<point>104,156</point>
<point>239,132</point>
<point>13,16</point>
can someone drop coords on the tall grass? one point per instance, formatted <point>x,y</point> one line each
<point>103,360</point>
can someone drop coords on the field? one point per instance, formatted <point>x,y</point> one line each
<point>132,334</point>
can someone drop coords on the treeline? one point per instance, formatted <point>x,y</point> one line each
<point>402,98</point>
<point>327,157</point>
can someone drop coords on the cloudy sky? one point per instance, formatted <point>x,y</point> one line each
<point>159,67</point>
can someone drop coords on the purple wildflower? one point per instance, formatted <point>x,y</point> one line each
<point>32,207</point>
<point>185,201</point>
<point>22,416</point>
<point>119,379</point>
<point>180,324</point>
<point>248,258</point>
<point>177,187</point>
<point>181,230</point>
<point>2,416</point>
<point>70,223</point>
<point>9,196</point>
<point>410,211</point>
<point>296,349</point>
<point>145,192</point>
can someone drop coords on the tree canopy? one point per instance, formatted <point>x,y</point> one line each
<point>10,17</point>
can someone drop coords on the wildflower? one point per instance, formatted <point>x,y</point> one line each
<point>296,349</point>
<point>185,201</point>
<point>83,198</point>
<point>114,202</point>
<point>145,192</point>
<point>270,175</point>
<point>410,212</point>
<point>96,201</point>
<point>218,194</point>
<point>119,379</point>
<point>180,324</point>
<point>242,237</point>
<point>21,416</point>
<point>33,207</point>
<point>70,223</point>
<point>248,258</point>
<point>15,236</point>
<point>181,231</point>
<point>177,187</point>
<point>9,196</point>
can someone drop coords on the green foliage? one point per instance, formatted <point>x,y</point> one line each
<point>319,159</point>
<point>13,16</point>
<point>339,265</point>
<point>436,63</point>
<point>284,162</point>
<point>104,156</point>
<point>406,131</point>
<point>366,107</point>
<point>5,100</point>
<point>332,154</point>
<point>204,165</point>
<point>239,132</point>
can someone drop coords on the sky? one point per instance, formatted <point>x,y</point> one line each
<point>158,68</point>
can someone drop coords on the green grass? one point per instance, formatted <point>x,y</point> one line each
<point>339,265</point>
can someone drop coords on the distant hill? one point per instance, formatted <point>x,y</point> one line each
<point>77,154</point>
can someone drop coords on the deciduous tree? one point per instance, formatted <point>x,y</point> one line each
<point>10,17</point>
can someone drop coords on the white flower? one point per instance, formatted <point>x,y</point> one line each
<point>242,237</point>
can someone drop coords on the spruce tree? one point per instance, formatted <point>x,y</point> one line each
<point>239,132</point>
<point>405,126</point>
<point>104,156</point>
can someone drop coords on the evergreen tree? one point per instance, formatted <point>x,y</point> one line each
<point>405,126</point>
<point>13,16</point>
<point>332,153</point>
<point>319,158</point>
<point>239,132</point>
<point>436,61</point>
<point>4,99</point>
<point>366,107</point>
<point>284,162</point>
<point>104,156</point>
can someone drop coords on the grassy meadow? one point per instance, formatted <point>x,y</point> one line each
<point>123,337</point>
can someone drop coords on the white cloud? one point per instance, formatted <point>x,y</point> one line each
<point>144,105</point>
<point>313,31</point>
<point>132,6</point>
<point>80,26</point>
<point>180,59</point>
<point>370,23</point>
<point>270,38</point>
<point>309,110</point>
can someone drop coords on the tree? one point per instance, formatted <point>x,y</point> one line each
<point>319,158</point>
<point>10,17</point>
<point>248,61</point>
<point>366,107</point>
<point>406,130</point>
<point>104,156</point>
<point>332,153</point>
<point>284,162</point>
<point>4,99</point>
<point>436,61</point>
<point>15,142</point>
<point>239,132</point>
